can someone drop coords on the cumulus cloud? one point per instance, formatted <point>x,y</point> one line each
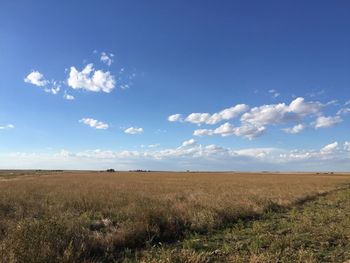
<point>7,127</point>
<point>94,123</point>
<point>133,130</point>
<point>254,122</point>
<point>226,114</point>
<point>330,148</point>
<point>36,78</point>
<point>281,113</point>
<point>295,129</point>
<point>107,58</point>
<point>326,122</point>
<point>175,117</point>
<point>91,79</point>
<point>248,131</point>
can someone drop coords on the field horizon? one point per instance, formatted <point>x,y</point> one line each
<point>179,171</point>
<point>70,216</point>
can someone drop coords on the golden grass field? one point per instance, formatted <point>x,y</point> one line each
<point>101,217</point>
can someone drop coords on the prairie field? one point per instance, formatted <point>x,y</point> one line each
<point>151,216</point>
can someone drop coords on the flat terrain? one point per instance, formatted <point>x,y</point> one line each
<point>173,217</point>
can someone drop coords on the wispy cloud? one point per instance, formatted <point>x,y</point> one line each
<point>68,96</point>
<point>274,93</point>
<point>7,127</point>
<point>347,146</point>
<point>107,58</point>
<point>343,111</point>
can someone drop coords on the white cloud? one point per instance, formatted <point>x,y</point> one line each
<point>247,130</point>
<point>316,94</point>
<point>274,93</point>
<point>347,103</point>
<point>53,90</point>
<point>190,142</point>
<point>256,152</point>
<point>7,127</point>
<point>94,123</point>
<point>332,102</point>
<point>329,154</point>
<point>175,117</point>
<point>107,58</point>
<point>91,80</point>
<point>343,111</point>
<point>347,146</point>
<point>330,148</point>
<point>295,129</point>
<point>134,130</point>
<point>36,78</point>
<point>281,113</point>
<point>68,96</point>
<point>153,145</point>
<point>254,122</point>
<point>226,114</point>
<point>201,132</point>
<point>325,122</point>
<point>193,156</point>
<point>198,118</point>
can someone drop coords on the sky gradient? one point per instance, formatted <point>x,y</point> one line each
<point>175,85</point>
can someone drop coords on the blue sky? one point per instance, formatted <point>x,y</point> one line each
<point>255,85</point>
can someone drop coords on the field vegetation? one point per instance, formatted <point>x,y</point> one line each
<point>149,217</point>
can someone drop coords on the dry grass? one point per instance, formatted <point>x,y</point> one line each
<point>96,217</point>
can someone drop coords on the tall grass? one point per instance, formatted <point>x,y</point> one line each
<point>96,217</point>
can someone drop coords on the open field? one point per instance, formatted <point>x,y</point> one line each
<point>107,217</point>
